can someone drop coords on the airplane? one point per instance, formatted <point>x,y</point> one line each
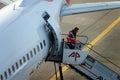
<point>30,30</point>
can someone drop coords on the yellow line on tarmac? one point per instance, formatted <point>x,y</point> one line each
<point>58,75</point>
<point>100,36</point>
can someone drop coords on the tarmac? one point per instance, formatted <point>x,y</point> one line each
<point>1,5</point>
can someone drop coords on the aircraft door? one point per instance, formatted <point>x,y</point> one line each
<point>51,34</point>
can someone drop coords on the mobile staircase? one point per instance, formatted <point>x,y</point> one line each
<point>93,69</point>
<point>82,62</point>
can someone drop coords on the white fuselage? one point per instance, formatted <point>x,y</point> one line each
<point>24,41</point>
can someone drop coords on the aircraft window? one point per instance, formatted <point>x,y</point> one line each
<point>31,54</point>
<point>13,68</point>
<point>5,73</point>
<point>34,51</point>
<point>28,57</point>
<point>17,65</point>
<point>44,42</point>
<point>20,61</point>
<point>9,70</point>
<point>1,77</point>
<point>41,45</point>
<point>24,59</point>
<point>38,48</point>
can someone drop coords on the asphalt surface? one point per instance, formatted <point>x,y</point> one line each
<point>91,25</point>
<point>1,5</point>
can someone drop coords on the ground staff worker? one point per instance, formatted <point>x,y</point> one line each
<point>71,37</point>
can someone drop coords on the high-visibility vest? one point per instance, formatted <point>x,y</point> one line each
<point>71,39</point>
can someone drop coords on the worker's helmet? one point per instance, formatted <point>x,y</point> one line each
<point>76,28</point>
